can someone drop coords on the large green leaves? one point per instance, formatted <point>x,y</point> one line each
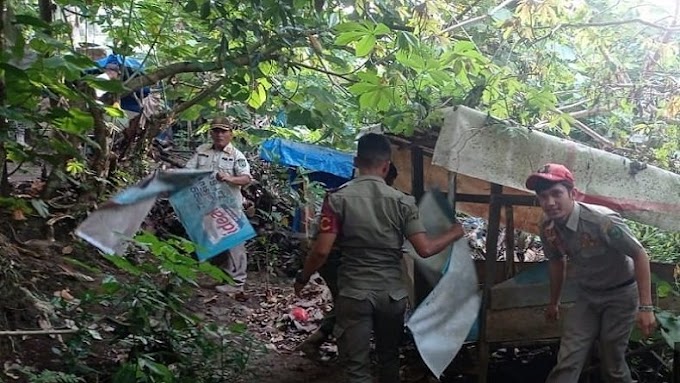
<point>364,34</point>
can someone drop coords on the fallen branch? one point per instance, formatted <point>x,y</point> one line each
<point>37,332</point>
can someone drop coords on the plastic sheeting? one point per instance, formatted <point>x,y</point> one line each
<point>441,323</point>
<point>470,146</point>
<point>311,157</point>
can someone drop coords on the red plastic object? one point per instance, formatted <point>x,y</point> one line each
<point>299,314</point>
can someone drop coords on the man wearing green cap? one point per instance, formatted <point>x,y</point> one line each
<point>230,166</point>
<point>612,272</point>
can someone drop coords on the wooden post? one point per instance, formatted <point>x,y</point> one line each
<point>420,285</point>
<point>676,362</point>
<point>452,190</point>
<point>509,242</point>
<point>490,277</point>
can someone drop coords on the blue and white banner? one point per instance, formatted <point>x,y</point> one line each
<point>212,216</point>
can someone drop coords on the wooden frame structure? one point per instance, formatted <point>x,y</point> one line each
<point>419,170</point>
<point>497,201</point>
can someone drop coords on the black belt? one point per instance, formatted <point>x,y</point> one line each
<point>620,285</point>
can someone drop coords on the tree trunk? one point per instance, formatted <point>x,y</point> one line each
<point>46,11</point>
<point>100,161</point>
<point>5,187</point>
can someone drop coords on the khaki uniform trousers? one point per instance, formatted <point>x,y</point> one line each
<point>604,316</point>
<point>236,264</point>
<point>356,320</point>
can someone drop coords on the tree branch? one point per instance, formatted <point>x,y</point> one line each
<point>618,22</point>
<point>37,332</point>
<point>583,127</point>
<point>207,92</point>
<point>339,75</point>
<point>192,67</point>
<point>478,18</point>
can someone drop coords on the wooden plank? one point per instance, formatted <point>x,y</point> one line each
<point>519,200</point>
<point>490,262</point>
<point>523,324</point>
<point>508,296</point>
<point>509,242</point>
<point>420,286</point>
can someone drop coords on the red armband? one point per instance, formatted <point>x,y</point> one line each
<point>330,221</point>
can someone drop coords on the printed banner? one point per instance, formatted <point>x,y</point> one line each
<point>110,227</point>
<point>212,216</point>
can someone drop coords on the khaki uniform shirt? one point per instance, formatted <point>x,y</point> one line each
<point>371,220</point>
<point>598,244</point>
<point>228,160</point>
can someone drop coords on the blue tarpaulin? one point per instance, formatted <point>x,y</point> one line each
<point>118,59</point>
<point>330,167</point>
<point>311,157</point>
<point>128,102</point>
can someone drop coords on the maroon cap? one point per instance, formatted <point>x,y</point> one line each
<point>550,172</point>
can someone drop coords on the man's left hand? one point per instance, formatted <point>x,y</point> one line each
<point>646,321</point>
<point>298,289</point>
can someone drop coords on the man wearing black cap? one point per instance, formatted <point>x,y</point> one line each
<point>329,273</point>
<point>612,272</point>
<point>230,166</point>
<point>370,220</point>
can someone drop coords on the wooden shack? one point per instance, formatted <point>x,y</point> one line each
<point>482,164</point>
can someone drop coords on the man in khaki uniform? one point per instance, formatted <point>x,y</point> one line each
<point>370,220</point>
<point>612,269</point>
<point>230,166</point>
<point>329,273</point>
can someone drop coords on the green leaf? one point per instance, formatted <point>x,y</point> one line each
<point>205,9</point>
<point>238,328</point>
<point>365,45</point>
<point>41,207</point>
<point>381,29</point>
<point>123,264</point>
<point>32,21</point>
<point>348,37</point>
<point>13,73</point>
<point>80,61</point>
<point>352,26</point>
<point>113,86</point>
<point>502,15</point>
<point>412,60</point>
<point>110,284</point>
<point>191,6</point>
<point>77,122</point>
<point>191,114</point>
<point>664,289</point>
<point>363,87</point>
<point>258,96</point>
<point>214,272</point>
<point>114,112</point>
<point>407,41</point>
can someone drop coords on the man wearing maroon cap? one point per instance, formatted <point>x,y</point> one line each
<point>612,272</point>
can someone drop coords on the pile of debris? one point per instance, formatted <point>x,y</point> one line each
<point>274,315</point>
